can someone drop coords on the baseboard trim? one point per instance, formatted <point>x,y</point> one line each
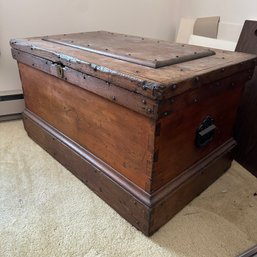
<point>11,105</point>
<point>11,117</point>
<point>11,97</point>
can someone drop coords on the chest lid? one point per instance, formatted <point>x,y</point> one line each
<point>139,67</point>
<point>147,52</point>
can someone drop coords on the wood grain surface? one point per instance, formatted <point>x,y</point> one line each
<point>160,207</point>
<point>127,130</point>
<point>175,147</point>
<point>154,83</point>
<point>120,137</point>
<point>139,50</point>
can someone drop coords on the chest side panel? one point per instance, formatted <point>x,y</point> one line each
<point>176,146</point>
<point>120,137</point>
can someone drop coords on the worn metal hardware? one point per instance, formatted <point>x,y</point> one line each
<point>60,70</point>
<point>205,132</point>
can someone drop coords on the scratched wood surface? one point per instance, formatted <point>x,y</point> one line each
<point>119,95</point>
<point>120,137</point>
<point>153,83</point>
<point>175,146</point>
<point>139,50</point>
<point>147,216</point>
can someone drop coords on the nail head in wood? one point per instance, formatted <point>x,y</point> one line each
<point>174,86</point>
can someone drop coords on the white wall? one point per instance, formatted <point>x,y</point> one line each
<point>23,18</point>
<point>231,11</point>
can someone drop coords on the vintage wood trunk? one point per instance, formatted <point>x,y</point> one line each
<point>146,124</point>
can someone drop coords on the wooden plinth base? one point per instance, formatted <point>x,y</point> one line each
<point>144,211</point>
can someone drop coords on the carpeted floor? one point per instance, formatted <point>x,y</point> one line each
<point>46,211</point>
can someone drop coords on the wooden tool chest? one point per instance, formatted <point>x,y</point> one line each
<point>146,124</point>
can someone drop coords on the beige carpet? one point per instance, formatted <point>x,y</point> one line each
<point>46,211</point>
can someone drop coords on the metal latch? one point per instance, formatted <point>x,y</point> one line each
<point>60,70</point>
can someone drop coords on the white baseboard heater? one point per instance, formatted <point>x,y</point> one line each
<point>11,105</point>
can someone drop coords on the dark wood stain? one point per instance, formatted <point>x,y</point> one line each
<point>157,209</point>
<point>129,131</point>
<point>246,123</point>
<point>176,145</point>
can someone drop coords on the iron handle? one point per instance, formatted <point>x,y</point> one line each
<point>205,132</point>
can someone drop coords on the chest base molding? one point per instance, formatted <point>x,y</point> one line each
<point>146,212</point>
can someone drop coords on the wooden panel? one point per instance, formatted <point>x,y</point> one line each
<point>163,205</point>
<point>202,79</point>
<point>120,137</point>
<point>143,51</point>
<point>201,93</point>
<point>153,83</point>
<point>175,148</point>
<point>119,95</point>
<point>246,123</point>
<point>78,162</point>
<point>207,173</point>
